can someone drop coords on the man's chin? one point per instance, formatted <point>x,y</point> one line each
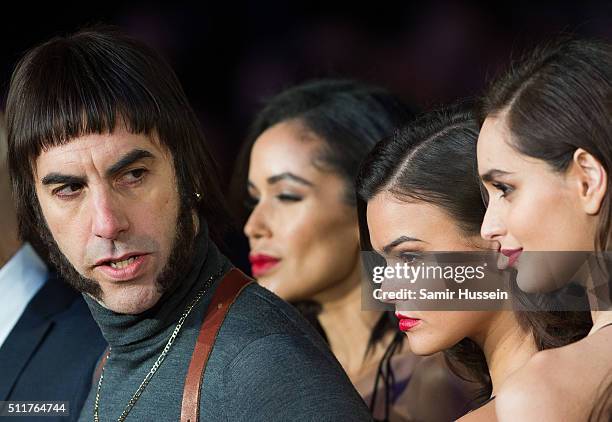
<point>130,299</point>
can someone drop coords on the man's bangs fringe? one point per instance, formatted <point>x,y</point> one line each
<point>60,125</point>
<point>89,96</point>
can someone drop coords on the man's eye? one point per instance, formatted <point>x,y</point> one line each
<point>67,191</point>
<point>133,176</point>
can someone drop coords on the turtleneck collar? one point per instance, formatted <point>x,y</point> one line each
<point>130,332</point>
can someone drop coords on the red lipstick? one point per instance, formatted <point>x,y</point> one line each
<point>406,323</point>
<point>261,263</point>
<point>512,254</point>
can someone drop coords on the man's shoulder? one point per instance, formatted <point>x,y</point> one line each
<point>257,299</point>
<point>259,313</point>
<point>270,364</point>
<point>259,322</point>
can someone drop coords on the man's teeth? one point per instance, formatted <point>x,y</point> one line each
<point>122,264</point>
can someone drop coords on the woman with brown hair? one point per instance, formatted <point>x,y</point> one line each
<point>545,156</point>
<point>423,197</point>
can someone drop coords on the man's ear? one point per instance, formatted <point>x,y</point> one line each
<point>592,180</point>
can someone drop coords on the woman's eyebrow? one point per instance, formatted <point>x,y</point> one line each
<point>493,174</point>
<point>288,176</point>
<point>399,241</point>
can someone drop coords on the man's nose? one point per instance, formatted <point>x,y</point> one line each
<point>109,220</point>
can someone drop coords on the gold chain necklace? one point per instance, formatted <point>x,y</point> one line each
<point>159,360</point>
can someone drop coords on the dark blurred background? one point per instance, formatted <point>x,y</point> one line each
<point>231,55</point>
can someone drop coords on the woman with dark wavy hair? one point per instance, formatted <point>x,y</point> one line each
<point>422,194</point>
<point>545,157</point>
<point>302,157</point>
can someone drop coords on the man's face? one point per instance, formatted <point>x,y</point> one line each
<point>111,204</point>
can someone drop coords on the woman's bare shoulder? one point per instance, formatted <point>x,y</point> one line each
<point>485,413</point>
<point>556,384</point>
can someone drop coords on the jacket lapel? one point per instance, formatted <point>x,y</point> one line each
<point>30,331</point>
<point>18,349</point>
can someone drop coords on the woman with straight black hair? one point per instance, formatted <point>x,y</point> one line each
<point>302,156</point>
<point>422,196</point>
<point>545,157</point>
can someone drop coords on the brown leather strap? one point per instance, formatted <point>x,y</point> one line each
<point>98,372</point>
<point>225,295</point>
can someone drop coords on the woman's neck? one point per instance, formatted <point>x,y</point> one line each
<point>506,346</point>
<point>348,328</point>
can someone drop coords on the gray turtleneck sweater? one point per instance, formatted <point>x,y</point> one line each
<point>267,364</point>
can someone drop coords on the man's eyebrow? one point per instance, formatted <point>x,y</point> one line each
<point>288,176</point>
<point>493,174</point>
<point>129,158</point>
<point>64,179</point>
<point>399,241</point>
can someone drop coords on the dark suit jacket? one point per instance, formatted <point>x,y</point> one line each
<point>51,352</point>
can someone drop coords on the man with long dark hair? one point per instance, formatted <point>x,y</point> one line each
<point>112,174</point>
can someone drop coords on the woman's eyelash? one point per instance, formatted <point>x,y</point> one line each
<point>289,197</point>
<point>251,202</point>
<point>408,257</point>
<point>505,189</point>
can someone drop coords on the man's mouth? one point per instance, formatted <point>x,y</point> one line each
<point>122,264</point>
<point>119,261</point>
<point>123,268</point>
